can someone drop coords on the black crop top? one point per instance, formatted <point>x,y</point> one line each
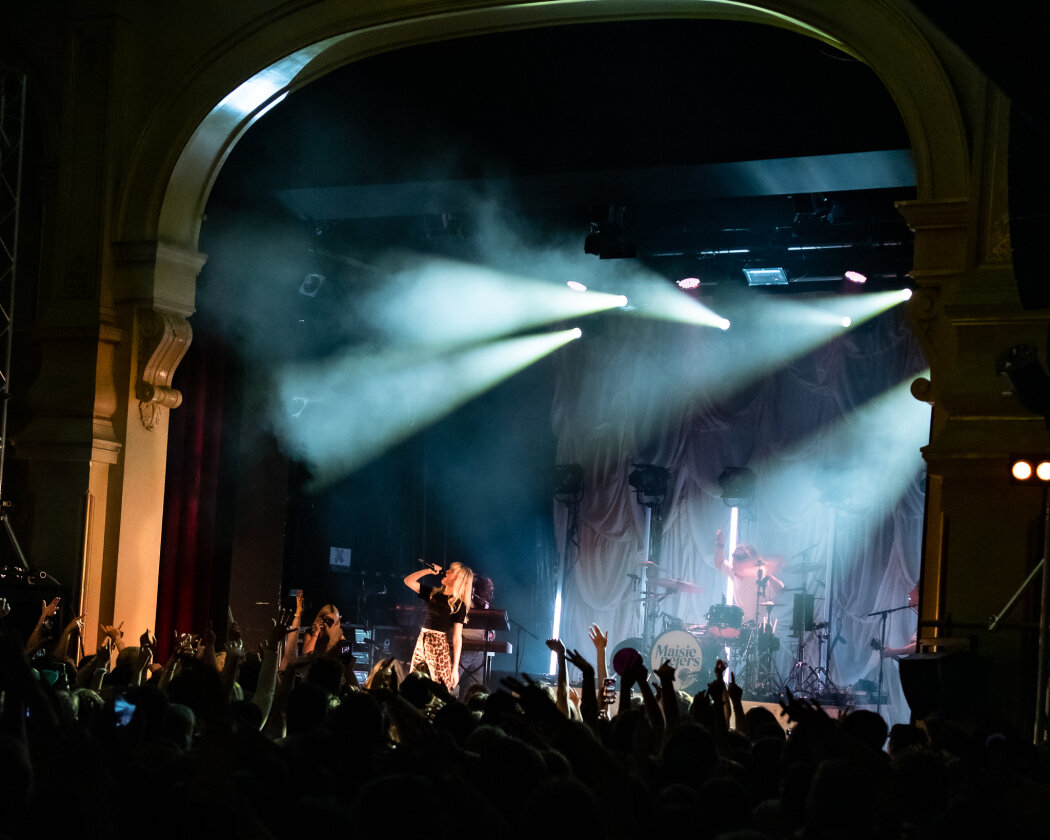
<point>439,616</point>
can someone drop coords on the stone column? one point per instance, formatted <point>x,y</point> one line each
<point>981,530</point>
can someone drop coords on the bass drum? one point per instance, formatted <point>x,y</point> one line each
<point>693,659</point>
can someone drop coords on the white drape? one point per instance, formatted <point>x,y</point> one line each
<point>832,436</point>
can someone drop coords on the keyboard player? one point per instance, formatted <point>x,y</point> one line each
<point>471,660</point>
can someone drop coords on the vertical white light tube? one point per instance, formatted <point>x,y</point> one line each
<point>556,627</point>
<point>644,603</point>
<point>734,529</point>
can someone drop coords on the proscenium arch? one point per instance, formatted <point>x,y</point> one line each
<point>191,134</point>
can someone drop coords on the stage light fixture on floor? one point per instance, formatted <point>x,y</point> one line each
<point>738,486</point>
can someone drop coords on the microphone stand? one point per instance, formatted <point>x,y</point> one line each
<point>517,651</point>
<point>882,646</point>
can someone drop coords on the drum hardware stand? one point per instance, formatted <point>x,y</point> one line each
<point>825,685</point>
<point>804,678</point>
<point>650,485</point>
<point>768,677</point>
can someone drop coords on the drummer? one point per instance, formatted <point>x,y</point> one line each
<point>754,583</point>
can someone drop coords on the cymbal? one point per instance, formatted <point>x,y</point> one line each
<point>768,604</point>
<point>805,568</point>
<point>769,564</point>
<point>680,585</point>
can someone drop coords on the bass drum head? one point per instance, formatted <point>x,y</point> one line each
<point>693,658</point>
<point>687,656</point>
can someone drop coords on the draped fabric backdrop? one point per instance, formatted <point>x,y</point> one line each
<point>832,435</point>
<point>194,562</point>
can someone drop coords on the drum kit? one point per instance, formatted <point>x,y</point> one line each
<point>748,647</point>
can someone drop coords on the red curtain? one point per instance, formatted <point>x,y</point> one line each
<point>190,559</point>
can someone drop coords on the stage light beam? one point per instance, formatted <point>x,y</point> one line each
<point>355,407</point>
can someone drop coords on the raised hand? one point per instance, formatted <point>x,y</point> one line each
<point>48,611</point>
<point>575,658</point>
<point>799,709</point>
<point>185,643</point>
<point>665,672</point>
<point>281,627</point>
<point>599,639</point>
<point>74,626</point>
<point>735,692</point>
<point>5,608</point>
<point>114,633</point>
<point>557,646</point>
<point>234,642</point>
<point>207,640</point>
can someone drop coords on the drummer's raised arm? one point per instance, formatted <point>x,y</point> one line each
<point>720,553</point>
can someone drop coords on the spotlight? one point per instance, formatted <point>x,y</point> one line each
<point>649,480</point>
<point>576,286</point>
<point>724,324</point>
<point>846,321</point>
<point>905,294</point>
<point>855,277</point>
<point>766,276</point>
<point>738,486</point>
<point>689,282</point>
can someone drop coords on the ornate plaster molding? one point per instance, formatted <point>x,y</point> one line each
<point>163,339</point>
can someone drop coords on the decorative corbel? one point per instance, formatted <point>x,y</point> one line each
<point>163,340</point>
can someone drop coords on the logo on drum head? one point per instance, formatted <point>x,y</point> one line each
<point>684,653</point>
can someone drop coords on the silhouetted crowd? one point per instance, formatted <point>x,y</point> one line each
<point>276,743</point>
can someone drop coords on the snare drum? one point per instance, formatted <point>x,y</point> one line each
<point>724,620</point>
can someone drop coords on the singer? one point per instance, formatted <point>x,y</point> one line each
<point>440,639</point>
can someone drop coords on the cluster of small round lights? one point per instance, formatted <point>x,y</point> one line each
<point>1024,469</point>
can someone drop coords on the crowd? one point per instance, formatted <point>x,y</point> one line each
<point>283,743</point>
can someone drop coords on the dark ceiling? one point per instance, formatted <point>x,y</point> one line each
<point>701,136</point>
